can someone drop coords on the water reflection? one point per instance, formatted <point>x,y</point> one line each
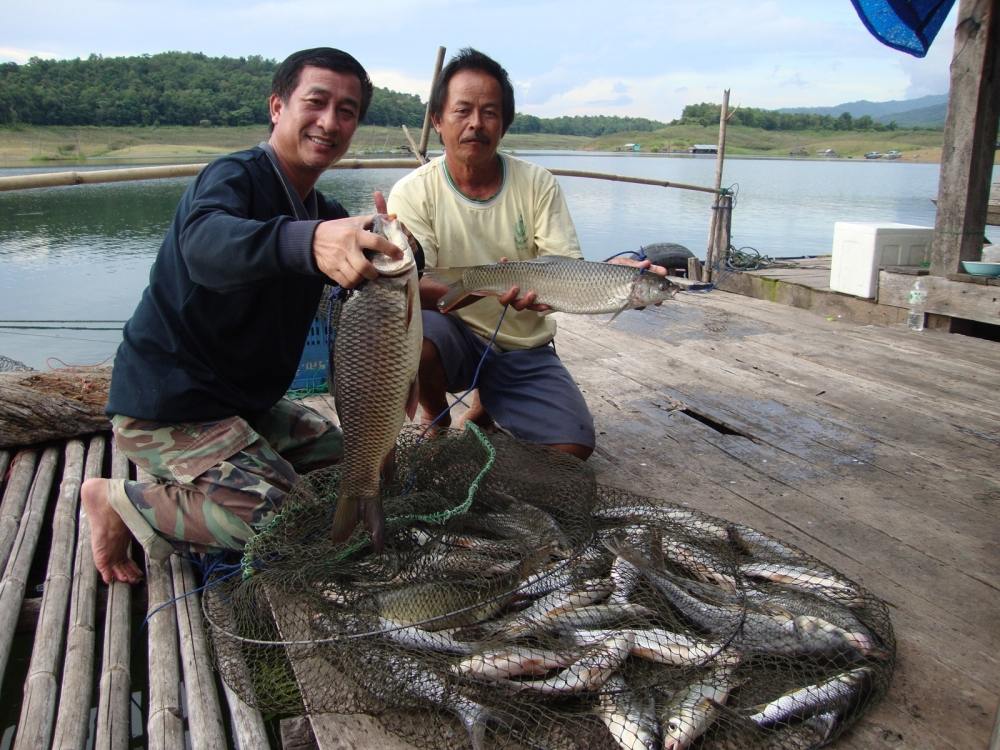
<point>83,252</point>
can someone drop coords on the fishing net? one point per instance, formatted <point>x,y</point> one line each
<point>520,604</point>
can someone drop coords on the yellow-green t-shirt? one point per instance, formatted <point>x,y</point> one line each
<point>527,218</point>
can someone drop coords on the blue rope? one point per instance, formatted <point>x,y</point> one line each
<point>208,567</point>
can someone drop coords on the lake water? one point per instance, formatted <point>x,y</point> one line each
<point>82,254</point>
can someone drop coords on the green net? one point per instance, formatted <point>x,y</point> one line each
<point>518,603</point>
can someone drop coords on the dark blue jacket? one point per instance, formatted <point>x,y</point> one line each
<point>219,330</point>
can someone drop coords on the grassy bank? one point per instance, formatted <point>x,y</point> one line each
<point>38,145</point>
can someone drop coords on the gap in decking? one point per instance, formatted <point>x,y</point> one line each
<point>713,423</point>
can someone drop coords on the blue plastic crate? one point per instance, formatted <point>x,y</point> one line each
<point>311,375</point>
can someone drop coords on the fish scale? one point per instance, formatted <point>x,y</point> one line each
<point>376,354</point>
<point>565,284</point>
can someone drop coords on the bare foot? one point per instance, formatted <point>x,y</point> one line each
<point>432,428</point>
<point>109,536</point>
<point>476,414</point>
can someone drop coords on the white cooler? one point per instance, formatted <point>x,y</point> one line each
<point>861,248</point>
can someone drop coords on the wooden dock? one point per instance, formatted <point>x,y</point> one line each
<point>871,447</point>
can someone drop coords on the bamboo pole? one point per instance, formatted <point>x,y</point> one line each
<point>248,724</point>
<point>41,688</point>
<point>113,720</point>
<point>712,253</point>
<point>413,146</point>
<point>4,463</point>
<point>425,133</point>
<point>633,180</point>
<point>165,721</point>
<point>73,723</point>
<point>204,713</point>
<point>15,577</point>
<point>99,176</point>
<point>15,497</point>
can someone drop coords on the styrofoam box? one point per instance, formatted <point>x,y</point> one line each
<point>861,248</point>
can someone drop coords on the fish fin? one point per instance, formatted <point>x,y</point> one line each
<point>345,520</point>
<point>455,294</point>
<point>612,318</point>
<point>374,517</point>
<point>412,400</point>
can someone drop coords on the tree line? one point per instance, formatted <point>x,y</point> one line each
<point>189,88</point>
<point>172,88</point>
<point>708,114</point>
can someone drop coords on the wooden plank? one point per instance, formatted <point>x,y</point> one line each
<point>779,425</point>
<point>15,577</point>
<point>828,304</point>
<point>970,132</point>
<point>312,672</point>
<point>73,720</point>
<point>944,296</point>
<point>165,720</point>
<point>41,688</point>
<point>706,474</point>
<point>15,497</point>
<point>204,713</point>
<point>113,729</point>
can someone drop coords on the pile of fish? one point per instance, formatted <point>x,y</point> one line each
<point>662,628</point>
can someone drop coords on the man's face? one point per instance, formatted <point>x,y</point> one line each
<point>471,121</point>
<point>314,127</point>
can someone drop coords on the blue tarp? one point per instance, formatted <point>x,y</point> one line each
<point>906,25</point>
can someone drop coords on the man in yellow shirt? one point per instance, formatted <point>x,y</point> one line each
<point>473,206</point>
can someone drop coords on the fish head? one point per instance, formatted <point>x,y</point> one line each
<point>392,229</point>
<point>651,289</point>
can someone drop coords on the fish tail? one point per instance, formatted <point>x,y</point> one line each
<point>456,289</point>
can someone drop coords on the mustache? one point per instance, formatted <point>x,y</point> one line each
<point>476,138</point>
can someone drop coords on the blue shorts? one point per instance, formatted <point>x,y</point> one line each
<point>528,392</point>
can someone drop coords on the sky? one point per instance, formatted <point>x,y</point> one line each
<point>565,57</point>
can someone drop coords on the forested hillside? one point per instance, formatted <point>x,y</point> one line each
<point>185,88</point>
<point>768,119</point>
<point>172,88</point>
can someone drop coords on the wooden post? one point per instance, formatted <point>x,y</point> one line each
<point>425,134</point>
<point>970,133</point>
<point>712,253</point>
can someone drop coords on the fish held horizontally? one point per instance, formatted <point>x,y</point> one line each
<point>564,284</point>
<point>375,356</point>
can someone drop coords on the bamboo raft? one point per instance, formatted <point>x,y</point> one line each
<point>872,448</point>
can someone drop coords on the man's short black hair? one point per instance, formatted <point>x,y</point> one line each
<point>471,59</point>
<point>286,77</point>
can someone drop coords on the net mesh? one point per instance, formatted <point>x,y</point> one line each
<point>518,603</point>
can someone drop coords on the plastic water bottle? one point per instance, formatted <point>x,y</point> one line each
<point>918,296</point>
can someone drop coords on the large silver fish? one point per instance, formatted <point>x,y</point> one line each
<point>376,354</point>
<point>564,284</point>
<point>839,693</point>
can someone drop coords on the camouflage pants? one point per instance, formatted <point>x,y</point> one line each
<point>218,482</point>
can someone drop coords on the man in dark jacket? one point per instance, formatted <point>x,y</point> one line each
<point>197,390</point>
